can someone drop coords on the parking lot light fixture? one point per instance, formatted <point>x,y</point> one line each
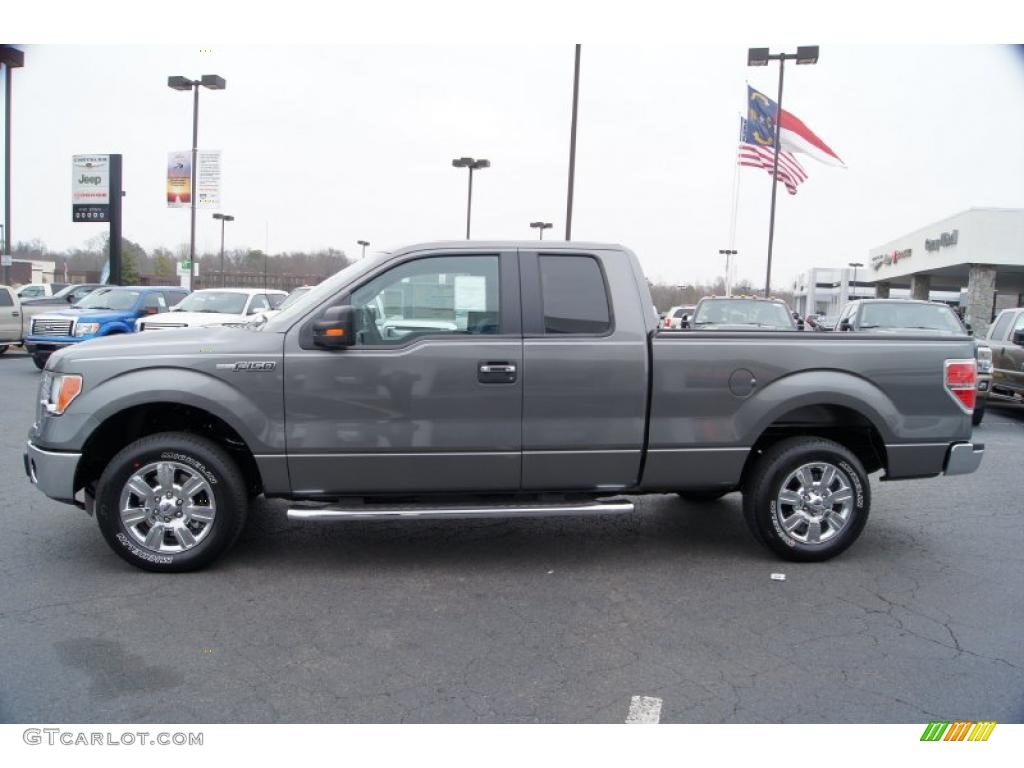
<point>540,226</point>
<point>473,165</point>
<point>728,253</point>
<point>223,217</point>
<point>363,243</point>
<point>759,57</point>
<point>180,83</point>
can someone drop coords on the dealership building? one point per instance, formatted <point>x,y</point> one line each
<point>978,253</point>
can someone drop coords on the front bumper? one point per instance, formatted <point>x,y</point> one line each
<point>53,472</point>
<point>964,458</point>
<point>34,344</point>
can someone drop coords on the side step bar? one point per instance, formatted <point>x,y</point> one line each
<point>425,512</point>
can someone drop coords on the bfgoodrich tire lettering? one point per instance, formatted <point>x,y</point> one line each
<point>807,499</point>
<point>159,484</point>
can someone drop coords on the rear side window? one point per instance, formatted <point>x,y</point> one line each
<point>5,299</point>
<point>573,295</point>
<point>998,332</point>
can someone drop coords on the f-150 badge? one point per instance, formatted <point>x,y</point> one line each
<point>249,365</point>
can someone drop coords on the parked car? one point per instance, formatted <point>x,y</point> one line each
<point>825,322</point>
<point>107,311</point>
<point>678,317</point>
<point>290,299</point>
<point>12,320</point>
<point>911,317</point>
<point>1006,339</point>
<point>39,290</point>
<point>721,313</point>
<point>214,306</point>
<point>557,395</point>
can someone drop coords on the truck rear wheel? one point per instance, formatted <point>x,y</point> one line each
<point>171,502</point>
<point>807,499</point>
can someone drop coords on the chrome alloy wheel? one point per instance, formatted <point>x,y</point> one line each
<point>815,503</point>
<point>167,507</point>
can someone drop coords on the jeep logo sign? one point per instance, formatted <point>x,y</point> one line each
<point>90,188</point>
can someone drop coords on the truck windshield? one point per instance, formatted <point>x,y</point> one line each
<point>109,298</point>
<point>920,317</point>
<point>320,293</point>
<point>754,312</point>
<point>222,302</point>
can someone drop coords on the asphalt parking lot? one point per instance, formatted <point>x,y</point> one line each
<point>550,620</point>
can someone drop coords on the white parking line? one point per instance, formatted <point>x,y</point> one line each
<point>644,709</point>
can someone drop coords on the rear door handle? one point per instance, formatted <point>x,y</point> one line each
<point>503,372</point>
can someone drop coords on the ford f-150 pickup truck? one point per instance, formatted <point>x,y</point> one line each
<point>513,378</point>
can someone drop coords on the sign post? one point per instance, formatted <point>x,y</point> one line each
<point>96,193</point>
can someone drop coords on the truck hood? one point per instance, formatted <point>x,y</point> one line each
<point>174,346</point>
<point>87,315</point>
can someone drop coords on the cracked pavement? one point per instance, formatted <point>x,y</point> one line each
<point>556,620</point>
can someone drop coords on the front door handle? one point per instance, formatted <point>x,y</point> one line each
<point>490,372</point>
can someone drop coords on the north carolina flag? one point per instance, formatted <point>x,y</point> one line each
<point>794,135</point>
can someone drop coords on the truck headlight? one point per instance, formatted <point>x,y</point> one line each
<point>86,329</point>
<point>64,388</point>
<point>984,359</point>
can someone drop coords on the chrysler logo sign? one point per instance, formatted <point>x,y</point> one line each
<point>890,258</point>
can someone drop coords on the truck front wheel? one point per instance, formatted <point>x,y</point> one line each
<point>171,502</point>
<point>807,499</point>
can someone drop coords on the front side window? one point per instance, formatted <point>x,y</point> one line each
<point>154,303</point>
<point>451,295</point>
<point>258,304</point>
<point>573,295</point>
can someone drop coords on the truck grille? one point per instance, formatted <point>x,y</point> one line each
<point>43,327</point>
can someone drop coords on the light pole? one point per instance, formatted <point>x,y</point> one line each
<point>572,143</point>
<point>179,83</point>
<point>11,58</point>
<point>759,57</point>
<point>363,243</point>
<point>855,265</point>
<point>224,218</point>
<point>473,165</point>
<point>540,226</point>
<point>727,252</point>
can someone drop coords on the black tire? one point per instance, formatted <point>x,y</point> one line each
<point>40,360</point>
<point>979,413</point>
<point>703,495</point>
<point>765,482</point>
<point>3,348</point>
<point>216,467</point>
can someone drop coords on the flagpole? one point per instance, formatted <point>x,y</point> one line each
<point>732,220</point>
<point>774,173</point>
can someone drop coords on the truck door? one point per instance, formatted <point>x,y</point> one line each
<point>585,371</point>
<point>10,316</point>
<point>430,396</point>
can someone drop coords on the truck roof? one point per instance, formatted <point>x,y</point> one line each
<point>533,245</point>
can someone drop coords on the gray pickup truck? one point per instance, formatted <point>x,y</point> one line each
<point>489,379</point>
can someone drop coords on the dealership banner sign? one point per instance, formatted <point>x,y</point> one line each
<point>208,178</point>
<point>90,188</point>
<point>179,179</point>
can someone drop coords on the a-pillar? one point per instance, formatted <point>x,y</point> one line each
<point>881,290</point>
<point>981,289</point>
<point>920,287</point>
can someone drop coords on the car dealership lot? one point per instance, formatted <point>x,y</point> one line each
<point>543,620</point>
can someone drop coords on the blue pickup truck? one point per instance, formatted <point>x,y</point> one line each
<point>104,312</point>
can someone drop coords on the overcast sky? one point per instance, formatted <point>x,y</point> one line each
<point>327,145</point>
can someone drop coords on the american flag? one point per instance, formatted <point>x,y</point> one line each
<point>791,173</point>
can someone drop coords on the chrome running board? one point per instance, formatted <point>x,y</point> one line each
<point>427,512</point>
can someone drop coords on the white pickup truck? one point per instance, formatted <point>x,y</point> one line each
<point>214,306</point>
<point>11,320</point>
